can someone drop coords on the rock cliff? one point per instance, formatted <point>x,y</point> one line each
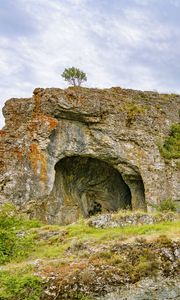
<point>79,151</point>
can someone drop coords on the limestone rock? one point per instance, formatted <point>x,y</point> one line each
<point>73,152</point>
<point>146,289</point>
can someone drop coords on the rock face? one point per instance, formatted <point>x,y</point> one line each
<point>155,289</point>
<point>66,153</point>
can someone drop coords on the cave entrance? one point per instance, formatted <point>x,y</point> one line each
<point>89,185</point>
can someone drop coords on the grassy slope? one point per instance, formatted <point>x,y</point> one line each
<point>80,261</point>
<point>80,233</point>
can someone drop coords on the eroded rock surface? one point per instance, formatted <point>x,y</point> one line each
<point>154,289</point>
<point>66,153</point>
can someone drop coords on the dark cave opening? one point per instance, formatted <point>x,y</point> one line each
<point>90,185</point>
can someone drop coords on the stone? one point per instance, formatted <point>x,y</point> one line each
<point>77,152</point>
<point>136,218</point>
<point>146,289</point>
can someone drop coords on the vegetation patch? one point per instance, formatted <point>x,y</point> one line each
<point>171,147</point>
<point>20,287</point>
<point>107,268</point>
<point>167,205</point>
<point>78,261</point>
<point>133,110</point>
<point>15,241</point>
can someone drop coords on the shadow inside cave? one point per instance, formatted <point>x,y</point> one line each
<point>92,185</point>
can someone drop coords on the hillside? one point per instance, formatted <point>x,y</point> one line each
<point>137,259</point>
<point>89,190</point>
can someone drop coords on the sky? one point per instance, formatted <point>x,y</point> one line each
<point>127,43</point>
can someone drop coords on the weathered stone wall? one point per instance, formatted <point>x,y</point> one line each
<point>121,128</point>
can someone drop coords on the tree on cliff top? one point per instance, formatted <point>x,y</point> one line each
<point>74,76</point>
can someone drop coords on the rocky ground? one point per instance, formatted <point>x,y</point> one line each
<point>133,268</point>
<point>155,289</point>
<point>136,260</point>
<point>123,219</point>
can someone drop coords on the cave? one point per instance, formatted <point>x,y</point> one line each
<point>90,186</point>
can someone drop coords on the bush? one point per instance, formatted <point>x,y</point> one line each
<point>15,242</point>
<point>20,287</point>
<point>10,218</point>
<point>167,205</point>
<point>171,146</point>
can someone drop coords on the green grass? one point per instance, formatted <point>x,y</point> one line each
<point>167,205</point>
<point>48,251</point>
<point>15,240</point>
<point>20,286</point>
<point>85,232</point>
<point>53,241</point>
<point>133,110</point>
<point>79,234</point>
<point>67,250</point>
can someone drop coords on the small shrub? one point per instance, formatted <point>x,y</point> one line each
<point>20,287</point>
<point>164,241</point>
<point>132,111</point>
<point>10,218</point>
<point>116,259</point>
<point>144,268</point>
<point>105,254</point>
<point>171,147</point>
<point>15,242</point>
<point>167,205</point>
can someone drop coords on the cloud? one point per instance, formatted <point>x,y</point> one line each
<point>12,17</point>
<point>130,43</point>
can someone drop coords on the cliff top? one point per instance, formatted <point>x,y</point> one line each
<point>90,103</point>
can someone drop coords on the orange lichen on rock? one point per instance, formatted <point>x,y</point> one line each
<point>2,133</point>
<point>52,122</point>
<point>37,107</point>
<point>38,161</point>
<point>32,127</point>
<point>18,153</point>
<point>42,121</point>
